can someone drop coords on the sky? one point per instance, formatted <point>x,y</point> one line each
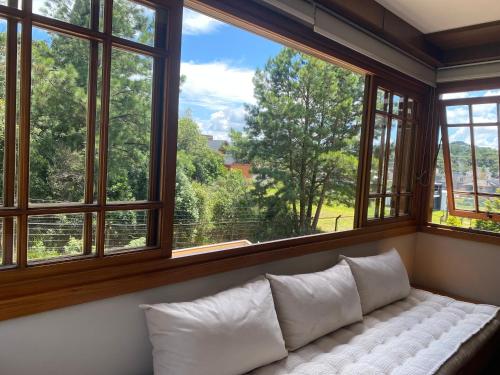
<point>218,61</point>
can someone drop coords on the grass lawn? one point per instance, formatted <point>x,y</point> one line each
<point>328,214</point>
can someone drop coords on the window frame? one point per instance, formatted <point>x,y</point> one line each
<point>469,102</point>
<point>418,121</point>
<point>39,287</point>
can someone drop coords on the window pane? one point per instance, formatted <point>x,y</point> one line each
<point>126,230</point>
<point>464,202</point>
<point>14,3</point>
<point>489,204</point>
<point>486,147</point>
<point>61,235</point>
<point>58,131</point>
<point>374,208</point>
<point>8,225</point>
<point>378,152</point>
<point>484,113</point>
<point>133,21</point>
<point>390,206</point>
<point>461,158</point>
<point>410,109</point>
<point>397,105</point>
<point>129,126</point>
<point>252,141</point>
<point>391,163</point>
<point>382,100</point>
<point>3,61</point>
<point>457,114</point>
<point>470,94</point>
<point>404,205</point>
<point>76,12</point>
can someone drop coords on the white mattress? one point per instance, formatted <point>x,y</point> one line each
<point>412,336</point>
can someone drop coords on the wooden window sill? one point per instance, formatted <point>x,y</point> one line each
<point>23,295</point>
<point>462,233</point>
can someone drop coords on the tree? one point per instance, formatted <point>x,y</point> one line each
<point>301,137</point>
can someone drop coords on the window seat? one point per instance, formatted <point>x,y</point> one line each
<point>424,333</point>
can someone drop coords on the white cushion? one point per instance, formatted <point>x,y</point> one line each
<point>314,304</point>
<point>229,333</point>
<point>381,279</point>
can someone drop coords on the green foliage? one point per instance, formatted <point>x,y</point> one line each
<point>302,138</point>
<point>136,242</point>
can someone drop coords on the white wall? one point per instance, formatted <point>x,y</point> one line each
<point>459,267</point>
<point>110,337</point>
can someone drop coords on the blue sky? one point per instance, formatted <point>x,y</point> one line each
<point>219,61</point>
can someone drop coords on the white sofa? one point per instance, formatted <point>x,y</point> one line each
<point>358,317</point>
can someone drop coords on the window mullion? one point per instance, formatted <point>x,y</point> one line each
<point>10,138</point>
<point>104,122</point>
<point>473,155</point>
<point>91,128</point>
<point>399,163</point>
<point>24,133</point>
<point>386,156</point>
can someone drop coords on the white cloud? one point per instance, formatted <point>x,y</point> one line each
<point>194,23</point>
<point>216,85</point>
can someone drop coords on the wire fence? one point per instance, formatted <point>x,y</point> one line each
<point>59,235</point>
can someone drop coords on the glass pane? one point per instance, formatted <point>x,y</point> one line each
<point>12,3</point>
<point>390,206</point>
<point>242,149</point>
<point>490,204</point>
<point>461,158</point>
<point>76,12</point>
<point>129,126</point>
<point>382,100</point>
<point>391,163</point>
<point>126,230</point>
<point>457,114</point>
<point>410,109</point>
<point>8,225</point>
<point>464,202</point>
<point>61,235</point>
<point>486,147</point>
<point>408,147</point>
<point>58,117</point>
<point>133,21</point>
<point>484,113</point>
<point>378,152</point>
<point>471,94</point>
<point>397,104</point>
<point>404,205</point>
<point>374,208</point>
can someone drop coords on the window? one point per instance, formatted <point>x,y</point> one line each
<point>467,184</point>
<point>393,143</point>
<point>269,139</point>
<point>80,129</point>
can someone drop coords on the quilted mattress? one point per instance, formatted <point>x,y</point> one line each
<point>413,336</point>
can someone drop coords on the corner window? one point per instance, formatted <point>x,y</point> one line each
<point>467,183</point>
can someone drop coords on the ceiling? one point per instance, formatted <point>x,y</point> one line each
<point>429,16</point>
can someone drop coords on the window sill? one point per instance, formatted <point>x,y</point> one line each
<point>462,233</point>
<point>23,295</point>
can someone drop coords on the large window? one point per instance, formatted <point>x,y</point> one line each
<point>81,98</point>
<point>269,139</point>
<point>467,184</point>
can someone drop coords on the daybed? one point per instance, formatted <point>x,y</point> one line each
<point>359,317</point>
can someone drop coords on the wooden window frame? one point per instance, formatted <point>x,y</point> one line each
<point>475,194</point>
<point>33,288</point>
<point>392,88</point>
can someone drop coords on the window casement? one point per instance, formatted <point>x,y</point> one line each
<point>470,129</point>
<point>84,101</point>
<point>394,120</point>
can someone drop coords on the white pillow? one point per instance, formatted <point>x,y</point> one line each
<point>229,333</point>
<point>314,304</point>
<point>381,279</point>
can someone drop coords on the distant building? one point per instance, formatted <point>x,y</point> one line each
<point>230,163</point>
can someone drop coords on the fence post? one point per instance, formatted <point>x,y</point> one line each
<point>337,222</point>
